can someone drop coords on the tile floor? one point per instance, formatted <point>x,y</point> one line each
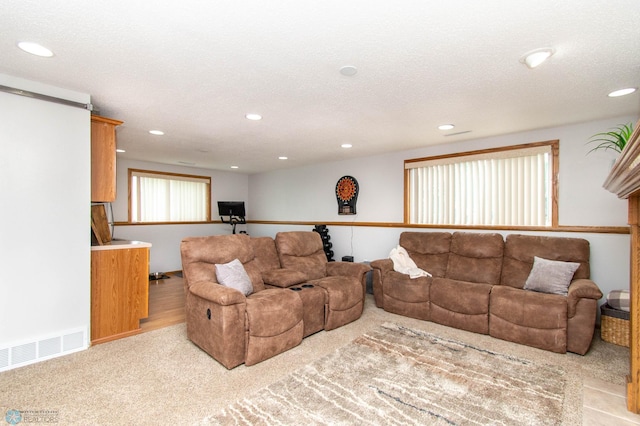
<point>606,404</point>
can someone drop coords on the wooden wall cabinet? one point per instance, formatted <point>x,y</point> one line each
<point>119,289</point>
<point>103,159</point>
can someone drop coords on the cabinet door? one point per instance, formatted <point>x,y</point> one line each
<point>119,292</point>
<point>103,159</point>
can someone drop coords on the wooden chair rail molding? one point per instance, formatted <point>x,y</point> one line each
<point>560,228</point>
<point>624,181</point>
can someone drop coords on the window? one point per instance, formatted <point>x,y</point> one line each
<point>168,197</point>
<point>510,186</point>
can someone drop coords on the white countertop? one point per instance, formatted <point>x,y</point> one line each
<point>121,244</point>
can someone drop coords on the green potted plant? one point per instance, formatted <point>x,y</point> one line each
<point>616,139</point>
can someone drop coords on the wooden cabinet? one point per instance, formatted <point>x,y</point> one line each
<point>624,181</point>
<point>103,159</point>
<point>119,290</point>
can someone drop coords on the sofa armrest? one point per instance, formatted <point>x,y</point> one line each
<point>581,289</point>
<point>349,269</point>
<point>384,265</point>
<point>283,278</point>
<point>217,293</point>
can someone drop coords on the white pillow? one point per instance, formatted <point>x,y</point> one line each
<point>233,275</point>
<point>550,276</point>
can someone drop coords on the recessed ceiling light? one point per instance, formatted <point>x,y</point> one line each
<point>235,167</point>
<point>120,150</point>
<point>348,70</point>
<point>283,158</point>
<point>156,132</point>
<point>536,57</point>
<point>346,145</point>
<point>622,92</point>
<point>446,127</point>
<point>35,49</point>
<point>254,117</point>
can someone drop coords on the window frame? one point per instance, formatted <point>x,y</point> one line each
<point>554,166</point>
<point>167,175</point>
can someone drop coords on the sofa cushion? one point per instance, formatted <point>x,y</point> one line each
<point>519,251</point>
<point>475,257</point>
<point>460,304</point>
<point>200,254</point>
<point>233,275</point>
<point>274,324</point>
<point>529,318</point>
<point>401,287</point>
<point>529,309</point>
<point>273,311</point>
<point>429,250</point>
<point>550,276</point>
<point>344,301</point>
<point>266,255</point>
<point>342,292</point>
<point>302,251</point>
<point>405,296</point>
<point>283,277</point>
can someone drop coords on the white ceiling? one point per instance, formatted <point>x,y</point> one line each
<point>195,68</point>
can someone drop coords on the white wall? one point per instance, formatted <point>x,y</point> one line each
<point>307,194</point>
<point>164,255</point>
<point>45,191</point>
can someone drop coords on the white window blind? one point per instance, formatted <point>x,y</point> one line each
<point>160,197</point>
<point>508,187</point>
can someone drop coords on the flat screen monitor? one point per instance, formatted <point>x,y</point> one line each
<point>231,208</point>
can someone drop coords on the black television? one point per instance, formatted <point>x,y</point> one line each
<point>231,209</point>
<point>235,211</point>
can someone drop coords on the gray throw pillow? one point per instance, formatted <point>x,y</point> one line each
<point>550,276</point>
<point>233,275</point>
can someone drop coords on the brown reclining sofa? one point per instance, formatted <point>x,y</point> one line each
<point>294,292</point>
<point>478,282</point>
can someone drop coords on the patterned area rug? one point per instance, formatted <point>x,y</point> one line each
<point>398,376</point>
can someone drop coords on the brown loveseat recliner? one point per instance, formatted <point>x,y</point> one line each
<point>229,326</point>
<point>234,328</point>
<point>478,281</point>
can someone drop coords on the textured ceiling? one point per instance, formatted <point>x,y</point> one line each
<point>194,69</point>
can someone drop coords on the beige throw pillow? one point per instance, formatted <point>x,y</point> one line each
<point>233,275</point>
<point>550,276</point>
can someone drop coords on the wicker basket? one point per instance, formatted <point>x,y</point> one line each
<point>614,325</point>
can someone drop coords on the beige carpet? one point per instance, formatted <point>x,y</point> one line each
<point>161,378</point>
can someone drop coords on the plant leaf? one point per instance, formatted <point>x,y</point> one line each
<point>615,140</point>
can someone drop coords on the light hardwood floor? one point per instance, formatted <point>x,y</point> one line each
<point>603,403</point>
<point>166,303</point>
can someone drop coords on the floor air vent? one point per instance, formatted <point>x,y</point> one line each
<point>26,353</point>
<point>4,358</point>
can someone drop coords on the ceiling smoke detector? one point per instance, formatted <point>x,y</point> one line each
<point>348,70</point>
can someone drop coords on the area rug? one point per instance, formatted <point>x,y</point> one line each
<point>397,375</point>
